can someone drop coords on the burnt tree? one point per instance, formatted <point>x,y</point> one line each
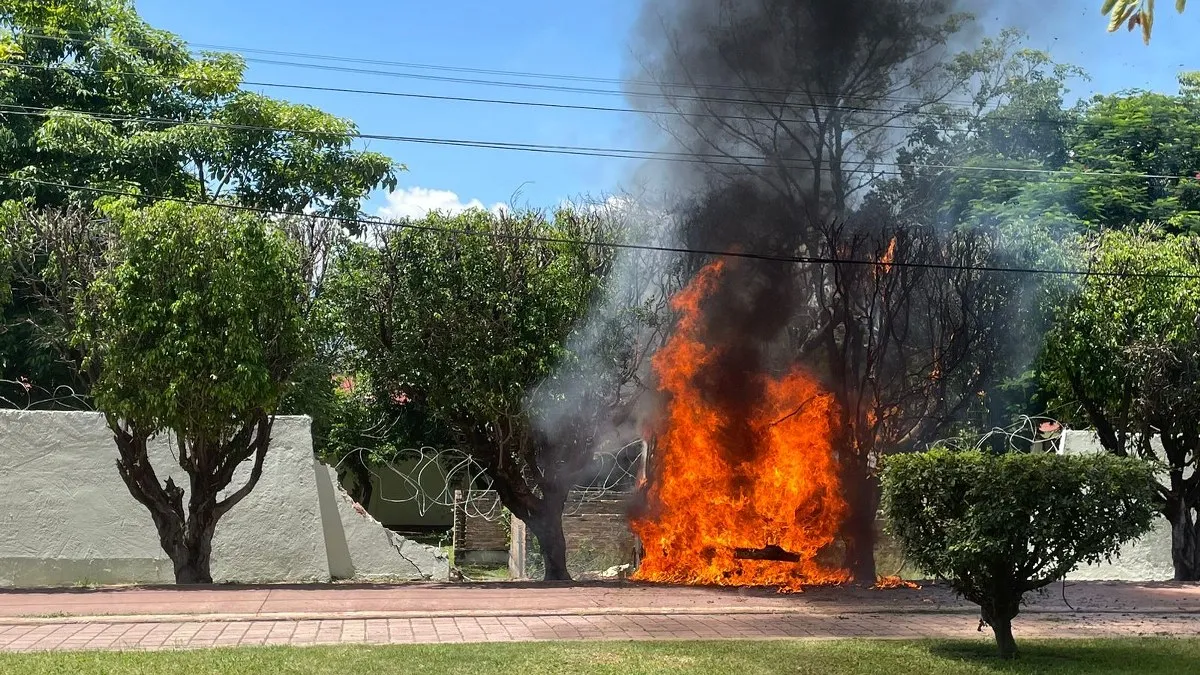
<point>791,108</point>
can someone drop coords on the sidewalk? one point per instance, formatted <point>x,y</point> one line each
<point>156,618</point>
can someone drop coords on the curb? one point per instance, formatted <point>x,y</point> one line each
<point>595,611</point>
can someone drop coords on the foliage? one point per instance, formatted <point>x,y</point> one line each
<point>103,99</point>
<point>92,96</point>
<point>53,255</point>
<point>1134,13</point>
<point>199,323</point>
<point>1139,133</point>
<point>196,333</point>
<point>465,313</point>
<point>998,526</point>
<point>1126,348</point>
<point>1014,133</point>
<point>469,317</point>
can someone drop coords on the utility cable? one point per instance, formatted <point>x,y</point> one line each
<point>410,225</point>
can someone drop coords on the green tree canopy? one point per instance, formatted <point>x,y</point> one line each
<point>467,316</point>
<point>197,331</point>
<point>1126,348</point>
<point>93,96</point>
<point>1153,136</point>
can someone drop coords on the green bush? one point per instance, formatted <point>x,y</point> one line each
<point>998,526</point>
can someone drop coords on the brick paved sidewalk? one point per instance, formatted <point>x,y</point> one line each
<point>133,633</point>
<point>169,618</point>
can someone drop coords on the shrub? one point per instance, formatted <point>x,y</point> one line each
<point>998,526</point>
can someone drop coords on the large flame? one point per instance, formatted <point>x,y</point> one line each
<point>704,502</point>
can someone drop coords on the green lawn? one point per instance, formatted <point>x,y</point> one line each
<point>1095,657</point>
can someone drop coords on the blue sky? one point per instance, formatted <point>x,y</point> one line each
<point>573,37</point>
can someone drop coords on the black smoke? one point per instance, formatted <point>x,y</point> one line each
<point>783,107</point>
<point>785,112</point>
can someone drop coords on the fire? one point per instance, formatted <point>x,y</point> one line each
<point>890,582</point>
<point>713,519</point>
<point>888,257</point>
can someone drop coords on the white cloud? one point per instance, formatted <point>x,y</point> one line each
<point>416,202</point>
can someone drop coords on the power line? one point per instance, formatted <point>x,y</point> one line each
<point>444,97</point>
<point>497,72</point>
<point>965,111</point>
<point>376,92</point>
<point>590,151</point>
<point>539,76</point>
<point>409,225</point>
<point>918,108</point>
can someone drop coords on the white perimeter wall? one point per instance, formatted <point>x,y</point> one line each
<point>67,518</point>
<point>1148,559</point>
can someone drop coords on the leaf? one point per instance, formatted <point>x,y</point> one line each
<point>1120,13</point>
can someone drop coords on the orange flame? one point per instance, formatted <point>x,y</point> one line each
<point>703,505</point>
<point>888,257</point>
<point>890,582</point>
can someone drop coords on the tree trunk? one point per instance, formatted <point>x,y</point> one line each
<point>186,537</point>
<point>192,552</point>
<point>191,560</point>
<point>862,496</point>
<point>547,527</point>
<point>1185,539</point>
<point>1004,638</point>
<point>998,611</point>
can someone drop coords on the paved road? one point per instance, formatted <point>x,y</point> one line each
<point>160,618</point>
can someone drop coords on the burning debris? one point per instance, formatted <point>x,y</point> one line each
<point>770,552</point>
<point>890,582</point>
<point>741,459</point>
<point>763,468</point>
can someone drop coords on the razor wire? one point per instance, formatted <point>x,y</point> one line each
<point>1021,436</point>
<point>27,396</point>
<point>430,477</point>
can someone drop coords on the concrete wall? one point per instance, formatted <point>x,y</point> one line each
<point>67,518</point>
<point>1147,559</point>
<point>596,530</point>
<point>395,503</point>
<point>359,547</point>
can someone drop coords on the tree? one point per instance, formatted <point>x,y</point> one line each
<point>1126,348</point>
<point>999,526</point>
<point>796,104</point>
<point>469,317</point>
<point>197,331</point>
<point>1134,13</point>
<point>1152,139</point>
<point>53,256</point>
<point>1010,140</point>
<point>92,96</point>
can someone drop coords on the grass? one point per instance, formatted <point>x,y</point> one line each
<point>1095,657</point>
<point>485,572</point>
